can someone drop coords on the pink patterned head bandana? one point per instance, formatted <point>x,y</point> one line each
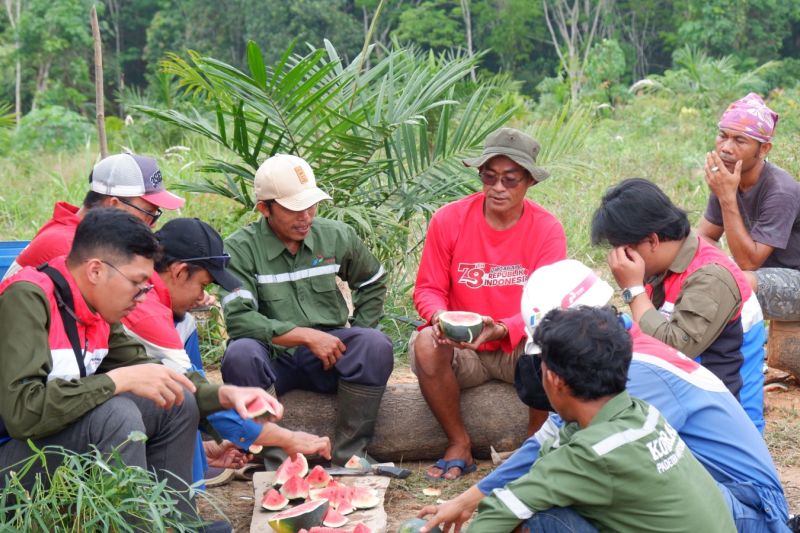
<point>751,116</point>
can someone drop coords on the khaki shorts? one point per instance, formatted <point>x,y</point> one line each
<point>474,368</point>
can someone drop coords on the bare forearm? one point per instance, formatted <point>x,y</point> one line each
<point>744,249</point>
<point>298,336</point>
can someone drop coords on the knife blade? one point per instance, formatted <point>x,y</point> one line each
<point>375,470</point>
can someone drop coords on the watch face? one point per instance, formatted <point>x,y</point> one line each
<point>627,297</point>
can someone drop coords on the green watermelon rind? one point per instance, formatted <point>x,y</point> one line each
<point>289,521</point>
<point>413,525</point>
<point>460,332</point>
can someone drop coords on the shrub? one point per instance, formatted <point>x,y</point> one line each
<point>53,128</point>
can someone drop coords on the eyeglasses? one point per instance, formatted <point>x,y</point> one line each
<point>155,216</point>
<point>217,260</point>
<point>508,181</point>
<point>142,290</point>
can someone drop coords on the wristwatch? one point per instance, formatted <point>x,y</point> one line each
<point>631,292</point>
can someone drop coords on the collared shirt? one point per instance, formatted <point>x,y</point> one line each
<point>627,471</point>
<point>709,299</point>
<point>281,291</point>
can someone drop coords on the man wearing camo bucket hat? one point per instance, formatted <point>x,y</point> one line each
<point>756,204</point>
<point>474,260</point>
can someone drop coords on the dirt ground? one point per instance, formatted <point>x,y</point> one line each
<point>405,497</point>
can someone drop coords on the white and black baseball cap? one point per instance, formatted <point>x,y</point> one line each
<point>129,175</point>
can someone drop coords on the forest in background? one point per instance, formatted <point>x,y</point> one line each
<point>555,49</point>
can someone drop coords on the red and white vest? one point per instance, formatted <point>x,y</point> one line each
<point>93,331</point>
<point>724,356</point>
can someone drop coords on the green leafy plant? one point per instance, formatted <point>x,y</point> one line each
<point>386,141</point>
<point>87,492</point>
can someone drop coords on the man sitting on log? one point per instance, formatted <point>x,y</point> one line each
<point>694,402</point>
<point>682,290</point>
<point>289,321</point>
<point>756,205</point>
<point>192,257</point>
<point>478,253</point>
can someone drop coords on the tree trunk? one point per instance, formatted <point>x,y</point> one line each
<point>98,84</point>
<point>407,430</point>
<point>468,25</point>
<point>14,11</point>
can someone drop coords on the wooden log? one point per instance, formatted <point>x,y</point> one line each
<point>783,346</point>
<point>407,430</point>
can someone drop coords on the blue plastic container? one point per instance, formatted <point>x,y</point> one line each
<point>9,250</point>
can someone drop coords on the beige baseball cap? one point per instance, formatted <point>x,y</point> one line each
<point>289,181</point>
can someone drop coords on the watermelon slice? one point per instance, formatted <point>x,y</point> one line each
<point>295,488</point>
<point>259,407</point>
<point>365,498</point>
<point>345,507</point>
<point>318,478</point>
<point>291,466</point>
<point>413,525</point>
<point>361,528</point>
<point>357,463</point>
<point>461,326</point>
<point>274,500</point>
<point>255,448</point>
<point>303,516</point>
<point>333,518</point>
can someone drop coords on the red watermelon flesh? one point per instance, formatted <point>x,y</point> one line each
<point>357,463</point>
<point>295,488</point>
<point>259,407</point>
<point>274,500</point>
<point>345,507</point>
<point>303,516</point>
<point>318,478</point>
<point>334,518</point>
<point>364,498</point>
<point>291,466</point>
<point>361,528</point>
<point>324,529</point>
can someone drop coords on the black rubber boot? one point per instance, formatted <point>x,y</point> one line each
<point>356,414</point>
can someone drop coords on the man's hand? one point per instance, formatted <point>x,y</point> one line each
<point>293,442</point>
<point>722,182</point>
<point>158,383</point>
<point>324,346</point>
<point>492,331</point>
<point>224,455</point>
<point>238,398</point>
<point>627,266</point>
<point>453,513</point>
<point>308,444</point>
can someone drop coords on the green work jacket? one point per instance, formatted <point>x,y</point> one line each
<point>281,291</point>
<point>627,471</point>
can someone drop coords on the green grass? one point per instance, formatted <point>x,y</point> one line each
<point>653,137</point>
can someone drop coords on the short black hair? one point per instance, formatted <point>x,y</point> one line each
<point>632,210</point>
<point>588,347</point>
<point>114,234</point>
<point>94,199</point>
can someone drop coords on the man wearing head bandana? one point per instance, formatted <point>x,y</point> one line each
<point>756,205</point>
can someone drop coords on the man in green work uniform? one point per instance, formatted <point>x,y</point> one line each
<point>617,465</point>
<point>289,323</point>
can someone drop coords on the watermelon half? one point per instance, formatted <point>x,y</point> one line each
<point>303,516</point>
<point>461,326</point>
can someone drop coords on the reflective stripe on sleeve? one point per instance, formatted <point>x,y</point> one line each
<point>241,293</point>
<point>374,278</point>
<point>513,503</point>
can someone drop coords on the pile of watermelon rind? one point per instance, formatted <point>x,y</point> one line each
<point>322,501</point>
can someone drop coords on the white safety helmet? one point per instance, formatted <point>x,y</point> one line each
<point>565,284</point>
